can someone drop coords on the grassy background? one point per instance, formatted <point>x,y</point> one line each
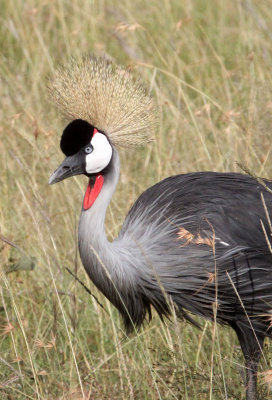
<point>208,65</point>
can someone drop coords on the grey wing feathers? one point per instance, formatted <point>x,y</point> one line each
<point>199,237</point>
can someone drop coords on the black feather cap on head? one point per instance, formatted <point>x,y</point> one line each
<point>77,134</point>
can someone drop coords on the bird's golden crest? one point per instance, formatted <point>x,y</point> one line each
<point>107,96</point>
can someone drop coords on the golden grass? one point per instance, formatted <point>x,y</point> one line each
<point>208,66</point>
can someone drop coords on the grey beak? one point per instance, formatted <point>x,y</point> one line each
<point>71,166</point>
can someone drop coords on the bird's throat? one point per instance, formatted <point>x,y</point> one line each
<point>92,191</point>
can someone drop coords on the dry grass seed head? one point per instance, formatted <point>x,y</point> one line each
<point>6,329</point>
<point>107,96</point>
<point>266,377</point>
<point>206,240</point>
<point>184,234</point>
<point>39,343</point>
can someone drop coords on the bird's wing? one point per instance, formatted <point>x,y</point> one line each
<point>200,237</point>
<point>228,207</point>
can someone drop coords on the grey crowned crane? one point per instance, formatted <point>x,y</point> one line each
<point>197,239</point>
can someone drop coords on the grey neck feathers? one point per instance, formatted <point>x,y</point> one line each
<point>95,250</point>
<point>108,264</point>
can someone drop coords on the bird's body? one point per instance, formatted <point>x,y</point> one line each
<point>196,241</point>
<point>198,235</point>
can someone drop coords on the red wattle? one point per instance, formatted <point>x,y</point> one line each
<point>92,192</point>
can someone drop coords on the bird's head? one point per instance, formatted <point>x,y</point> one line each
<point>107,107</point>
<point>87,151</point>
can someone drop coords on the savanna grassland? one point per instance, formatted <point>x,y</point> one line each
<point>208,66</point>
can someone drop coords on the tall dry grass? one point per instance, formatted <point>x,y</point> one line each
<point>208,66</point>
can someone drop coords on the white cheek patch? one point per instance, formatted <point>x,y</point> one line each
<point>101,155</point>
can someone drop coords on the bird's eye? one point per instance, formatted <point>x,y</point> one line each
<point>88,149</point>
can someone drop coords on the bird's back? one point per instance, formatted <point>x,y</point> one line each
<point>229,204</point>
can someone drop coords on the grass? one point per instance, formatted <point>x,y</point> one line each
<point>208,66</point>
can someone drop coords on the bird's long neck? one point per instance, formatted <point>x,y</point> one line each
<point>93,244</point>
<point>102,259</point>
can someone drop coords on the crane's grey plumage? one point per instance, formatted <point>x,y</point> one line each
<point>193,240</point>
